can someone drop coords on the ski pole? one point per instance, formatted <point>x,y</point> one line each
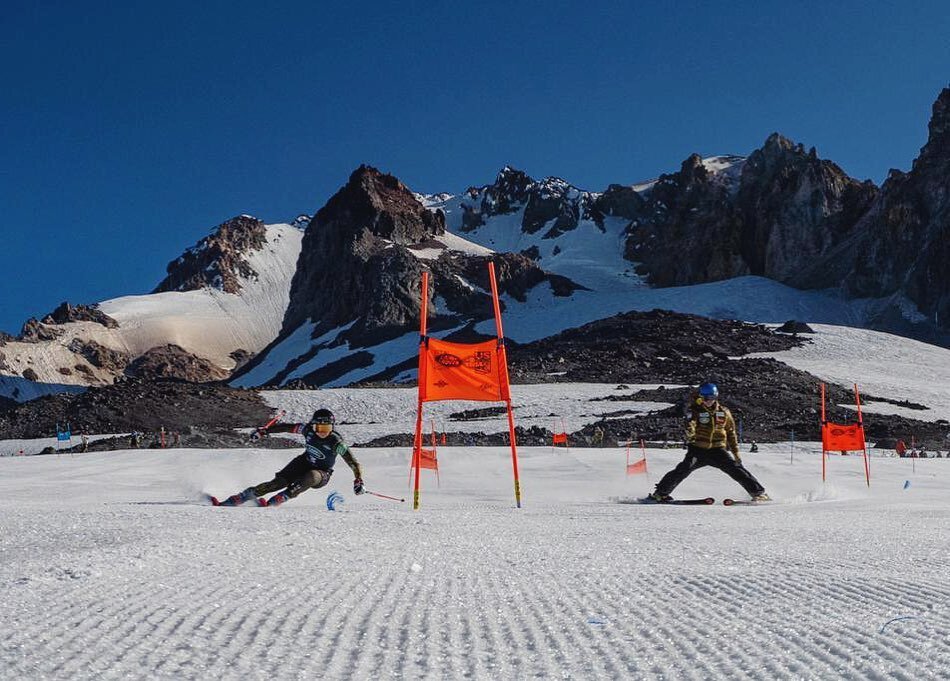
<point>382,496</point>
<point>274,420</point>
<point>262,430</point>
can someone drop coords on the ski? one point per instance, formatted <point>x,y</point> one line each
<point>704,501</point>
<point>743,502</point>
<point>234,500</point>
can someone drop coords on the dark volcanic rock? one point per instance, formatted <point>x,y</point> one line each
<point>218,260</point>
<point>551,200</point>
<point>507,195</point>
<point>769,397</point>
<point>172,361</point>
<point>67,313</point>
<point>100,356</point>
<point>137,405</point>
<point>642,347</point>
<point>786,210</point>
<point>795,208</point>
<point>34,332</point>
<point>349,268</point>
<point>792,326</point>
<point>904,242</point>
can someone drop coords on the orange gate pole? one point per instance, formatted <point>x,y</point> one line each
<point>867,463</point>
<point>417,441</point>
<point>503,375</point>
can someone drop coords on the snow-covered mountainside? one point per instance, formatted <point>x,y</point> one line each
<point>777,235</point>
<point>585,249</point>
<point>205,330</point>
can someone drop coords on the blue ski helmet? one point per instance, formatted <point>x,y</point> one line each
<point>709,391</point>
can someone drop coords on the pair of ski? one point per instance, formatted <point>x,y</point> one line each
<point>703,501</point>
<point>236,500</point>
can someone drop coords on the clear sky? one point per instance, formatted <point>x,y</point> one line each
<point>129,130</point>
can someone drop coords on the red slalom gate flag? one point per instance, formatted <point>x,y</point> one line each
<point>427,459</point>
<point>637,467</point>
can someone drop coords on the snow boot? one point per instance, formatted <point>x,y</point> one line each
<point>277,499</point>
<point>237,499</point>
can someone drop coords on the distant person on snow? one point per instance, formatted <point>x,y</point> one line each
<point>710,429</point>
<point>312,468</point>
<point>754,448</point>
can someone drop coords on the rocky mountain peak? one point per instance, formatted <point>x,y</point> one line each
<point>693,170</point>
<point>355,251</point>
<point>937,148</point>
<point>375,204</point>
<point>218,260</point>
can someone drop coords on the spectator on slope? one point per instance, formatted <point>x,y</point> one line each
<point>901,448</point>
<point>710,430</point>
<point>754,448</point>
<point>598,439</point>
<point>312,468</point>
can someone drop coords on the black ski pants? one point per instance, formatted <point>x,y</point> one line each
<point>697,457</point>
<point>296,476</point>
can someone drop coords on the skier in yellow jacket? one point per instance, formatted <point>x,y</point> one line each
<point>710,431</point>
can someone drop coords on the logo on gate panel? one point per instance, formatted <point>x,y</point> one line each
<point>480,362</point>
<point>447,359</point>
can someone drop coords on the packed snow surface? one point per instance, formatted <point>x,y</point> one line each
<point>111,567</point>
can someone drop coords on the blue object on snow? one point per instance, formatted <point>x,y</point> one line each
<point>896,619</point>
<point>906,484</point>
<point>333,500</point>
<point>596,620</point>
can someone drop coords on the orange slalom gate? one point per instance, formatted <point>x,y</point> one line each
<point>462,371</point>
<point>837,437</point>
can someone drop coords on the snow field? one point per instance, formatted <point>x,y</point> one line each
<point>111,568</point>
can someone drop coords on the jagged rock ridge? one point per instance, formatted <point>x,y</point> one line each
<point>217,261</point>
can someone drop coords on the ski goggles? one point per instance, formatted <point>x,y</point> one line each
<point>323,428</point>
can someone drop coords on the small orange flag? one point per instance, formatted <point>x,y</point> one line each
<point>637,468</point>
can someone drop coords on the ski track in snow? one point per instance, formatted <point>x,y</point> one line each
<point>111,568</point>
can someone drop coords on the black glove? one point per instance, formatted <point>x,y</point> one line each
<point>358,486</point>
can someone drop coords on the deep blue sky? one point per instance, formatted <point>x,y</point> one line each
<point>127,133</point>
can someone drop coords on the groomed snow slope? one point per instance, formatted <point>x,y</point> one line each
<point>109,568</point>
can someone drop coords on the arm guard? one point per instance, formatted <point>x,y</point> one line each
<point>344,451</point>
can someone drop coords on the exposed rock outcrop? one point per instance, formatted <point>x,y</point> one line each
<point>67,313</point>
<point>171,361</point>
<point>137,405</point>
<point>785,211</point>
<point>100,356</point>
<point>904,242</point>
<point>350,267</point>
<point>218,260</point>
<point>35,331</point>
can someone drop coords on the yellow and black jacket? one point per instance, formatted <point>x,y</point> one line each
<point>712,428</point>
